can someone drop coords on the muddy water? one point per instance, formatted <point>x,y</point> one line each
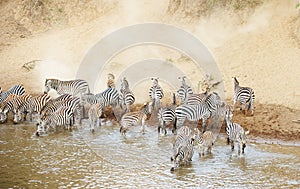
<point>80,159</point>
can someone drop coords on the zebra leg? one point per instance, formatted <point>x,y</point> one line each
<point>174,126</point>
<point>232,145</point>
<point>203,125</point>
<point>243,148</point>
<point>228,141</point>
<point>143,125</point>
<point>127,108</point>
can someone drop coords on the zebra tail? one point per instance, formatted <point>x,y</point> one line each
<point>174,126</point>
<point>252,96</point>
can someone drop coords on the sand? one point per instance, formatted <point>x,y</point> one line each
<point>259,45</point>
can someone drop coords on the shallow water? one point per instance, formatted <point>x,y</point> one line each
<point>81,159</point>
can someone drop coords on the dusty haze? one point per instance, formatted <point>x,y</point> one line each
<point>259,44</point>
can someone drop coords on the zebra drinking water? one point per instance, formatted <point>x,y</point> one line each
<point>183,149</point>
<point>61,117</point>
<point>244,95</point>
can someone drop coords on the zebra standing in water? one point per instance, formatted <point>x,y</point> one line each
<point>6,106</point>
<point>109,97</point>
<point>235,132</point>
<point>19,107</point>
<point>72,102</point>
<point>243,95</point>
<point>61,117</point>
<point>183,149</point>
<point>95,113</point>
<point>166,115</point>
<point>16,89</point>
<point>131,119</point>
<point>36,104</point>
<point>156,93</point>
<point>73,87</point>
<point>126,96</point>
<point>184,91</point>
<point>203,141</point>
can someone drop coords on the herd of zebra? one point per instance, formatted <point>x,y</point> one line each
<point>75,99</point>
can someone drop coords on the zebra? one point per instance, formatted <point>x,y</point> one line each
<point>6,106</point>
<point>135,118</point>
<point>72,87</point>
<point>182,147</point>
<point>194,99</point>
<point>243,95</point>
<point>235,132</point>
<point>73,102</point>
<point>184,90</point>
<point>204,140</point>
<point>167,115</point>
<point>109,97</point>
<point>126,96</point>
<point>36,104</point>
<point>61,117</point>
<point>95,113</point>
<point>19,107</point>
<point>192,113</point>
<point>16,89</point>
<point>156,93</point>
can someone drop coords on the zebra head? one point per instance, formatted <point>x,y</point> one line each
<point>48,85</point>
<point>17,117</point>
<point>3,117</point>
<point>154,81</point>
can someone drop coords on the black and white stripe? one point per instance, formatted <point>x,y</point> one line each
<point>72,87</point>
<point>192,113</point>
<point>19,107</point>
<point>165,116</point>
<point>131,119</point>
<point>36,104</point>
<point>235,132</point>
<point>126,96</point>
<point>6,106</point>
<point>182,147</point>
<point>95,113</point>
<point>184,91</point>
<point>61,117</point>
<point>16,89</point>
<point>244,95</point>
<point>156,93</point>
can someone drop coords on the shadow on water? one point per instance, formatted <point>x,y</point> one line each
<point>82,159</point>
